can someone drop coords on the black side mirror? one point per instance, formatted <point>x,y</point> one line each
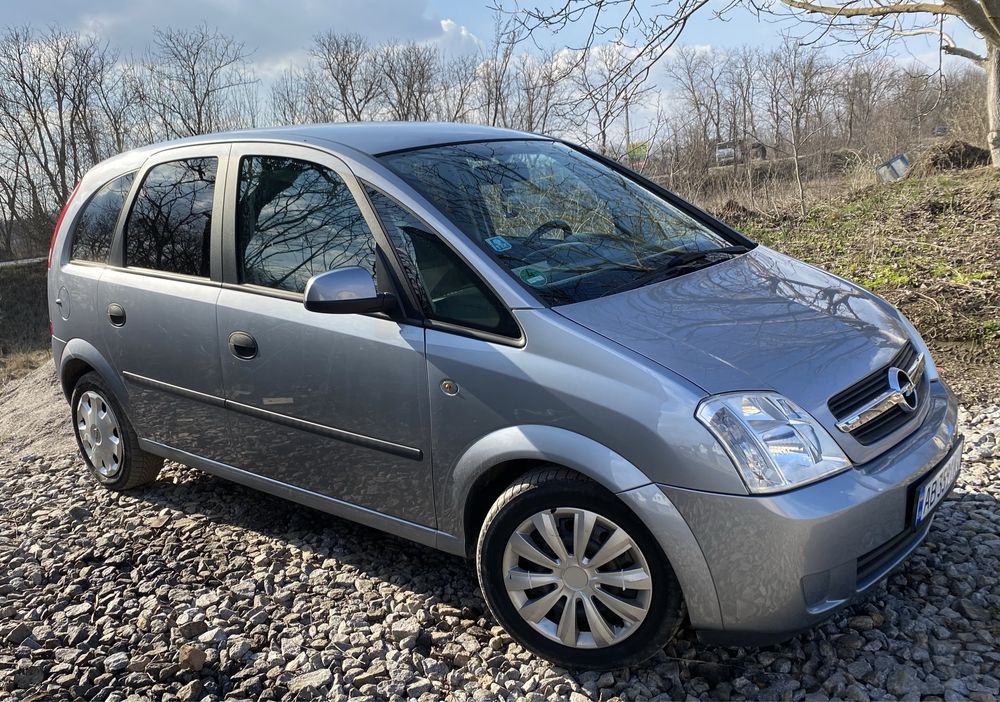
<point>346,291</point>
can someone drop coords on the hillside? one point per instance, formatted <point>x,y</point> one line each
<point>929,245</point>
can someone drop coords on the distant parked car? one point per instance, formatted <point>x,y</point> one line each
<point>509,348</point>
<point>728,152</point>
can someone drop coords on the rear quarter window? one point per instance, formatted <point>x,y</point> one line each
<point>96,224</point>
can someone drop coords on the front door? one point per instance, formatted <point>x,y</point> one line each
<point>331,403</point>
<point>157,302</point>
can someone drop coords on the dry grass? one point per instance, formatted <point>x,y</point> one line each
<point>24,320</point>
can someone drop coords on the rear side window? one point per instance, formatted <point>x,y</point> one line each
<point>295,219</point>
<point>449,291</point>
<point>169,227</point>
<point>96,224</point>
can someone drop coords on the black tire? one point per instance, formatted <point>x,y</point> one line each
<point>553,488</point>
<point>135,467</point>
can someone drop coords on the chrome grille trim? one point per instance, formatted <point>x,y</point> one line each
<point>885,401</point>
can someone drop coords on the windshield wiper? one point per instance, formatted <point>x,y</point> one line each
<point>694,256</point>
<point>679,261</point>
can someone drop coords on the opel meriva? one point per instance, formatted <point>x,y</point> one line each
<point>507,347</point>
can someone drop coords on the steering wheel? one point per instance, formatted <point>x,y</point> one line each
<point>551,224</point>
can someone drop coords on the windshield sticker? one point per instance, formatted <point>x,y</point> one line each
<point>531,276</point>
<point>499,244</point>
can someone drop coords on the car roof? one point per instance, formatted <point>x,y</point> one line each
<point>372,138</point>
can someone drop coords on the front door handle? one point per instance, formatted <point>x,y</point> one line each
<point>242,345</point>
<point>116,313</point>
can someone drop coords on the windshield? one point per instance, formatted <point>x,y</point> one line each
<point>567,226</point>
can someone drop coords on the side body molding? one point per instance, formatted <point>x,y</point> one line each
<point>79,350</point>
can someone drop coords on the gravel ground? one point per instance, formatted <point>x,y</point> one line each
<point>195,588</point>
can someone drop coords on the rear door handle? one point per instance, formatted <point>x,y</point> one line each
<point>242,345</point>
<point>116,313</point>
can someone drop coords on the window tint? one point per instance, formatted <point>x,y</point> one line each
<point>96,225</point>
<point>169,227</point>
<point>448,289</point>
<point>295,219</point>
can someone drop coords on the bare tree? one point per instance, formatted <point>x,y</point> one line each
<point>800,82</point>
<point>408,71</point>
<point>289,97</point>
<point>496,76</point>
<point>541,94</point>
<point>608,90</point>
<point>455,88</point>
<point>697,74</point>
<point>874,21</point>
<point>197,81</point>
<point>53,124</point>
<point>871,22</point>
<point>347,82</point>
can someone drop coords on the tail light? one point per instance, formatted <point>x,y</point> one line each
<point>55,232</point>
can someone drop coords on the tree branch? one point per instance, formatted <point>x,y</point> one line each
<point>948,44</point>
<point>876,11</point>
<point>964,53</point>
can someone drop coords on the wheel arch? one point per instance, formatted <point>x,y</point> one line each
<point>492,463</point>
<point>80,357</point>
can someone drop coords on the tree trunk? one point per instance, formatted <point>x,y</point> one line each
<point>993,103</point>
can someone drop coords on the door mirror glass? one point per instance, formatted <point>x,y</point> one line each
<point>348,290</point>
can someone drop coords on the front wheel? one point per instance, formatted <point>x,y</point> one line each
<point>574,575</point>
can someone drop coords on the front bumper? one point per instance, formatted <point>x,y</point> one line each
<point>782,563</point>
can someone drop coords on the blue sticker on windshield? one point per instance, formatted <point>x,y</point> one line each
<point>499,244</point>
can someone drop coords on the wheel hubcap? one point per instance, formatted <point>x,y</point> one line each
<point>577,578</point>
<point>99,434</point>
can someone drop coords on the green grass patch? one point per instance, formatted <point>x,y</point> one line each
<point>931,246</point>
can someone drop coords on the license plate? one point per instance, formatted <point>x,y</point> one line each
<point>937,486</point>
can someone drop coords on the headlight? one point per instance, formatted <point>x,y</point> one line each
<point>919,345</point>
<point>774,443</point>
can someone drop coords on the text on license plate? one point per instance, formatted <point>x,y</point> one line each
<point>936,487</point>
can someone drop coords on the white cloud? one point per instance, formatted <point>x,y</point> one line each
<point>456,39</point>
<point>271,30</point>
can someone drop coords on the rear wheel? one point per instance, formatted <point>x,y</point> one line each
<point>574,575</point>
<point>107,441</point>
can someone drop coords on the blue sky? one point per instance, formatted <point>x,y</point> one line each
<point>279,32</point>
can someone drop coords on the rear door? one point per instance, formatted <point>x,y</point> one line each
<point>335,404</point>
<point>156,301</point>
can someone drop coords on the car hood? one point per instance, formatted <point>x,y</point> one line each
<point>760,321</point>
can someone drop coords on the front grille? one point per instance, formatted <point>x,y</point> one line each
<point>848,401</point>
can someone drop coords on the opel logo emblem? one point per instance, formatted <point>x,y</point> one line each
<point>904,387</point>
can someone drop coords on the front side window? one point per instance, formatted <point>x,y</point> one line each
<point>170,225</point>
<point>295,219</point>
<point>566,225</point>
<point>448,289</point>
<point>96,225</point>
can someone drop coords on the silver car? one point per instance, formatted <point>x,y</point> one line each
<point>510,348</point>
